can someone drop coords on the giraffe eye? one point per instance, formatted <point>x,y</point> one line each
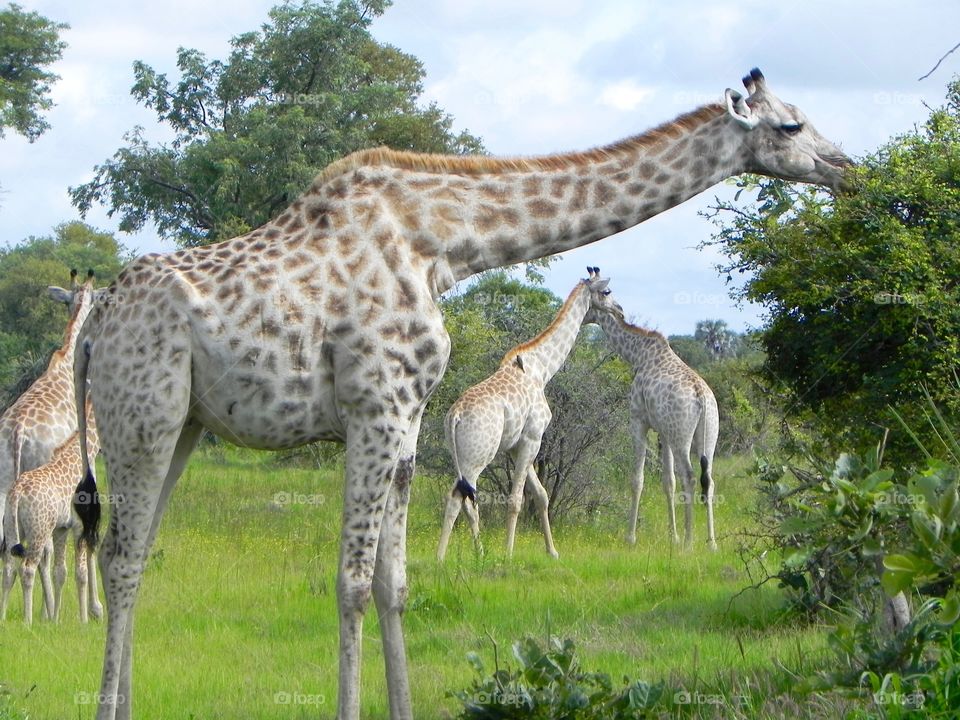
<point>791,128</point>
<point>606,292</point>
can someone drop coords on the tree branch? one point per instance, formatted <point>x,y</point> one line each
<point>933,69</point>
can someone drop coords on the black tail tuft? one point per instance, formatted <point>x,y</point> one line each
<point>86,503</point>
<point>704,478</point>
<point>18,550</point>
<point>466,490</point>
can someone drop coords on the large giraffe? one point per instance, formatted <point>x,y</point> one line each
<point>668,396</point>
<point>41,419</point>
<point>509,412</point>
<point>323,325</point>
<point>37,525</point>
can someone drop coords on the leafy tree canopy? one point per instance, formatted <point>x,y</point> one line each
<point>32,324</point>
<point>28,43</point>
<point>252,131</point>
<point>861,291</point>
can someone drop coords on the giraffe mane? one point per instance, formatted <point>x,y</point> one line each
<point>532,343</point>
<point>486,165</point>
<point>641,331</point>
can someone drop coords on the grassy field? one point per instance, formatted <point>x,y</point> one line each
<point>237,613</point>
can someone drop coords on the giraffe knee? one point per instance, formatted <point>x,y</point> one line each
<point>353,594</point>
<point>391,597</point>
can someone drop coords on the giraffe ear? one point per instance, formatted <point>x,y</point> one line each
<point>60,295</point>
<point>738,109</point>
<point>602,285</point>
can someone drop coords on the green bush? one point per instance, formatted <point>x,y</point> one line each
<point>548,684</point>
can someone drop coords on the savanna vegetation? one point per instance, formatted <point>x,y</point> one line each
<point>838,460</point>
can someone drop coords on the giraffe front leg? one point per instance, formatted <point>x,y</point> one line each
<point>390,577</point>
<point>365,498</point>
<point>523,455</point>
<point>640,451</point>
<point>542,500</point>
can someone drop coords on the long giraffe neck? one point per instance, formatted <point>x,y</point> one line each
<point>546,353</point>
<point>464,215</point>
<point>62,360</point>
<point>643,350</point>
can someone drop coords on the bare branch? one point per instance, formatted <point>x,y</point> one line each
<point>933,69</point>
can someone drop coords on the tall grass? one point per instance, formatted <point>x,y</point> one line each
<point>237,612</point>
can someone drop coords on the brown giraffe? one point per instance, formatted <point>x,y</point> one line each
<point>508,412</point>
<point>668,396</point>
<point>38,520</point>
<point>41,419</point>
<point>323,325</point>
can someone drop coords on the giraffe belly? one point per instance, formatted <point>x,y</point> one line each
<point>269,411</point>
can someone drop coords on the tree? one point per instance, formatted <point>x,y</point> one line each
<point>719,340</point>
<point>28,43</point>
<point>32,325</point>
<point>251,132</point>
<point>861,291</point>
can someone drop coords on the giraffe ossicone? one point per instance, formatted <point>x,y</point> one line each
<point>323,325</point>
<point>508,412</point>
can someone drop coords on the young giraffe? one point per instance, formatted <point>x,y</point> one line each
<point>40,517</point>
<point>668,396</point>
<point>41,419</point>
<point>509,412</point>
<point>323,325</point>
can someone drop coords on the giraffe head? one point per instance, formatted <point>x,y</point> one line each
<point>601,300</point>
<point>779,141</point>
<point>77,296</point>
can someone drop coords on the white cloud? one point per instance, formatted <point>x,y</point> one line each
<point>625,95</point>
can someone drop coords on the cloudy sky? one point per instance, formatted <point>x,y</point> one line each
<point>529,77</point>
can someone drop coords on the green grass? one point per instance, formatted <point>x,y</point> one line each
<point>237,610</point>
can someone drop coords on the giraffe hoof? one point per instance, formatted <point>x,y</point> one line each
<point>554,554</point>
<point>631,539</point>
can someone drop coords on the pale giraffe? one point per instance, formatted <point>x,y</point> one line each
<point>669,397</point>
<point>508,412</point>
<point>323,325</point>
<point>41,419</point>
<point>37,525</point>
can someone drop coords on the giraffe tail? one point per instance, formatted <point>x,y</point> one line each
<point>704,478</point>
<point>11,525</point>
<point>86,498</point>
<point>463,487</point>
